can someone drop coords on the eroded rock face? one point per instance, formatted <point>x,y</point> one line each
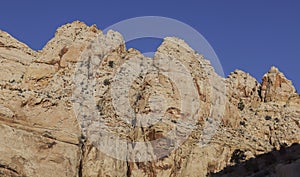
<point>275,87</point>
<point>44,132</point>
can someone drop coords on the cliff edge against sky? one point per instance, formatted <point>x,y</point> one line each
<point>41,134</point>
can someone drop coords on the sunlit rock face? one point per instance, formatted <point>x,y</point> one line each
<point>54,122</point>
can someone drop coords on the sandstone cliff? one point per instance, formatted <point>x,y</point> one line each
<point>43,133</point>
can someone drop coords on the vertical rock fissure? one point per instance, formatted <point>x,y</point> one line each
<point>82,152</point>
<point>128,172</point>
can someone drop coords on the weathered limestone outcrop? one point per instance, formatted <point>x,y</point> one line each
<point>44,133</point>
<point>275,87</point>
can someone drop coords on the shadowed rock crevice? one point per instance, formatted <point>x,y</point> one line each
<point>9,172</point>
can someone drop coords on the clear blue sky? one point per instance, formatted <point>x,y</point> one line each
<point>248,35</point>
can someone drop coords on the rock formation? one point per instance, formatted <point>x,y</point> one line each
<point>44,132</point>
<point>281,163</point>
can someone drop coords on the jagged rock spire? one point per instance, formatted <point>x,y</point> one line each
<point>276,87</point>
